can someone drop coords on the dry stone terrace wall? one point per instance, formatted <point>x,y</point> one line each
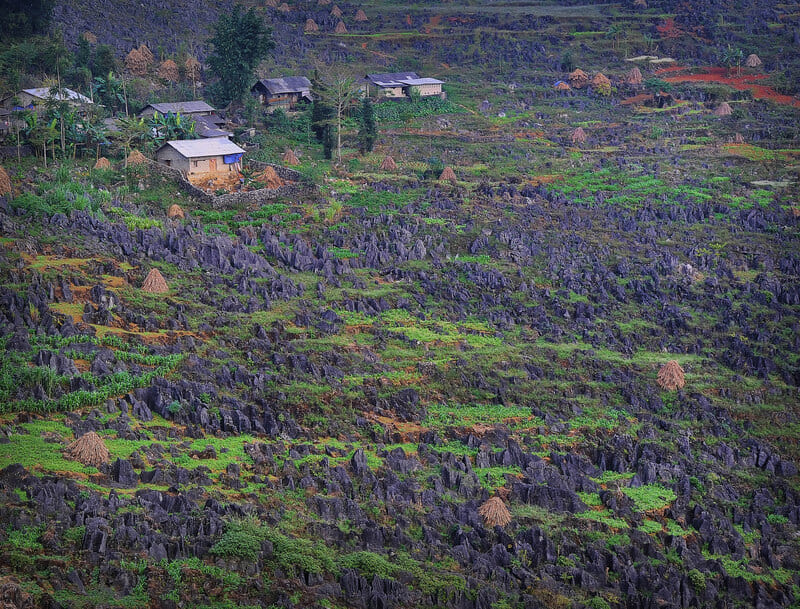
<point>298,185</point>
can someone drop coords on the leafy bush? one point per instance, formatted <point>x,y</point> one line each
<point>697,580</point>
<point>650,497</point>
<point>369,564</point>
<point>241,539</point>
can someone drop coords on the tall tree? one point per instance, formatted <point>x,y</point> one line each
<point>240,42</point>
<point>368,132</point>
<point>336,88</point>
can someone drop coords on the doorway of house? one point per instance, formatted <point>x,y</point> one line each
<point>212,164</point>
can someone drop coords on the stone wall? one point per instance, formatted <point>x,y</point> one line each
<point>296,189</point>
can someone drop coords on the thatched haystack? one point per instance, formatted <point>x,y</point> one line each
<point>271,4</point>
<point>269,178</point>
<point>323,2</point>
<point>89,449</point>
<point>284,8</point>
<point>135,63</point>
<point>388,164</point>
<point>310,26</point>
<point>578,79</point>
<point>193,68</point>
<point>640,3</point>
<point>341,28</point>
<point>147,54</point>
<point>634,77</point>
<point>102,163</point>
<point>175,212</point>
<point>290,158</point>
<point>448,175</point>
<point>737,139</point>
<point>169,71</point>
<point>89,37</point>
<point>5,183</point>
<point>724,109</point>
<point>136,158</point>
<point>671,376</point>
<point>495,513</point>
<point>752,61</point>
<point>155,283</point>
<point>578,136</point>
<point>361,16</point>
<point>336,12</point>
<point>601,84</point>
<point>562,86</point>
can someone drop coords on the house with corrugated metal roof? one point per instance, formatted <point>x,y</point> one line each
<point>185,108</point>
<point>286,93</point>
<point>203,156</point>
<point>398,85</point>
<point>37,99</point>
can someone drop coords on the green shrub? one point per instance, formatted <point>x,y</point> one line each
<point>697,580</point>
<point>369,564</point>
<point>241,539</point>
<point>598,603</point>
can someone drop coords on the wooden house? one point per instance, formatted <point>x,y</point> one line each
<point>285,93</point>
<point>203,156</point>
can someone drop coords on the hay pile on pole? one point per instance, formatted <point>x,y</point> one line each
<point>495,513</point>
<point>336,12</point>
<point>175,212</point>
<point>102,163</point>
<point>671,376</point>
<point>724,109</point>
<point>136,158</point>
<point>361,16</point>
<point>284,8</point>
<point>135,63</point>
<point>169,71</point>
<point>634,77</point>
<point>5,183</point>
<point>578,136</point>
<point>341,28</point>
<point>89,449</point>
<point>388,164</point>
<point>310,26</point>
<point>752,61</point>
<point>601,84</point>
<point>578,79</point>
<point>562,86</point>
<point>290,158</point>
<point>155,283</point>
<point>448,175</point>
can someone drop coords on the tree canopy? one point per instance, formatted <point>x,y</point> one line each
<point>25,17</point>
<point>240,42</point>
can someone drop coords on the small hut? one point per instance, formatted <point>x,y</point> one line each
<point>495,513</point>
<point>601,84</point>
<point>310,26</point>
<point>671,376</point>
<point>752,61</point>
<point>336,12</point>
<point>89,449</point>
<point>175,213</point>
<point>341,28</point>
<point>724,109</point>
<point>290,158</point>
<point>5,183</point>
<point>448,175</point>
<point>578,79</point>
<point>578,136</point>
<point>361,16</point>
<point>634,77</point>
<point>102,163</point>
<point>562,86</point>
<point>388,164</point>
<point>155,283</point>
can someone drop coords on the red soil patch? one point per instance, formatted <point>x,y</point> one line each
<point>671,69</point>
<point>637,99</point>
<point>741,83</point>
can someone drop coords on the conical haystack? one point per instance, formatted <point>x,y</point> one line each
<point>671,376</point>
<point>578,79</point>
<point>135,63</point>
<point>752,61</point>
<point>724,109</point>
<point>269,178</point>
<point>336,12</point>
<point>284,8</point>
<point>89,37</point>
<point>192,68</point>
<point>136,158</point>
<point>634,77</point>
<point>271,3</point>
<point>361,16</point>
<point>175,212</point>
<point>578,136</point>
<point>89,449</point>
<point>495,513</point>
<point>388,164</point>
<point>562,86</point>
<point>323,2</point>
<point>738,139</point>
<point>341,28</point>
<point>290,158</point>
<point>310,26</point>
<point>147,54</point>
<point>169,71</point>
<point>640,3</point>
<point>155,283</point>
<point>448,174</point>
<point>5,183</point>
<point>102,163</point>
<point>601,84</point>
